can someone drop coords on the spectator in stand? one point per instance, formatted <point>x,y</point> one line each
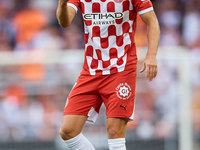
<point>191,26</point>
<point>196,110</point>
<point>7,34</point>
<point>73,37</point>
<point>170,19</point>
<point>48,39</point>
<point>27,23</point>
<point>5,43</point>
<point>48,7</point>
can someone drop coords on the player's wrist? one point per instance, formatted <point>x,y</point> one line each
<point>151,54</point>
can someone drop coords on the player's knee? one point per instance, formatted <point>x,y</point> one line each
<point>66,133</point>
<point>113,133</point>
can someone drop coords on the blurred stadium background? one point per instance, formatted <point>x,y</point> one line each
<point>40,62</point>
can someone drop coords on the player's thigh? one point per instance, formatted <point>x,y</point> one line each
<point>84,98</point>
<point>72,125</point>
<point>118,94</point>
<point>116,127</point>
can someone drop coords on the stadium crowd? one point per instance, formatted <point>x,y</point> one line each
<point>34,113</point>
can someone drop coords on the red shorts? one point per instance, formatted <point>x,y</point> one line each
<point>116,91</point>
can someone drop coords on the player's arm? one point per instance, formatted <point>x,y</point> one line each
<point>153,36</point>
<point>65,13</point>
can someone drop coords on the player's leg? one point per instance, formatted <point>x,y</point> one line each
<point>70,132</point>
<point>118,94</point>
<point>71,126</point>
<point>116,128</point>
<point>82,105</point>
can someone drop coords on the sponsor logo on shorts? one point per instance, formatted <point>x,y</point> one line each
<point>123,91</point>
<point>123,106</point>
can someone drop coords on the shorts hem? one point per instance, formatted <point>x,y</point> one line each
<point>74,113</point>
<point>124,117</point>
<point>89,119</point>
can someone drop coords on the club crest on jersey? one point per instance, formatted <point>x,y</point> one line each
<point>103,18</point>
<point>123,91</point>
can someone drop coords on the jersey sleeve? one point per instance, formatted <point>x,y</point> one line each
<point>142,6</point>
<point>74,3</point>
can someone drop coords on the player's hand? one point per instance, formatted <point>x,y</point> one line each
<point>150,64</point>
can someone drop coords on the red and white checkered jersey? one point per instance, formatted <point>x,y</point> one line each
<point>109,33</point>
